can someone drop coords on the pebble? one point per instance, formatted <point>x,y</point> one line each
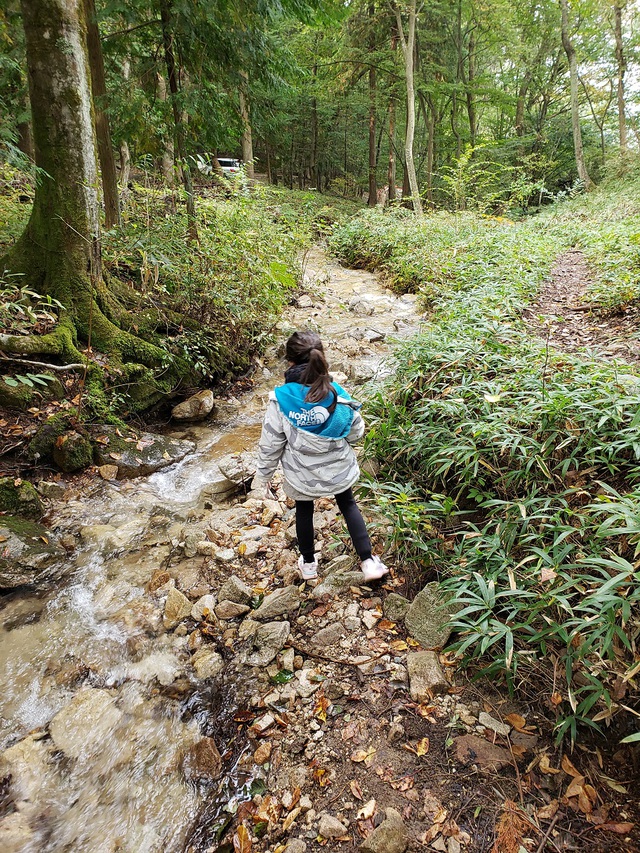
<point>330,827</point>
<point>496,726</point>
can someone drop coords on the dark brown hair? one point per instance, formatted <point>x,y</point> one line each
<point>306,348</point>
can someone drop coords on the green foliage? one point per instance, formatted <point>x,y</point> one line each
<point>508,470</point>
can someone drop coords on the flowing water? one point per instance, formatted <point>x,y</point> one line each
<point>98,706</point>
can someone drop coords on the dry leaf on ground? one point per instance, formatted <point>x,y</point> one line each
<point>365,756</point>
<point>242,840</point>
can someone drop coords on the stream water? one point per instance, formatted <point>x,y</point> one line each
<point>98,706</point>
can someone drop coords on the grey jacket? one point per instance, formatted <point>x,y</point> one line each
<point>313,466</point>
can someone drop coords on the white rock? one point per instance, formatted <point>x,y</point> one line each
<point>203,608</point>
<point>330,827</point>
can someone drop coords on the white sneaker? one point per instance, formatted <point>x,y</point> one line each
<point>373,568</point>
<point>308,571</point>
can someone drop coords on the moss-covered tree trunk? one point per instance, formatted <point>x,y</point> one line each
<point>59,252</point>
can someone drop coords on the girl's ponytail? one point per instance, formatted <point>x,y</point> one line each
<point>306,348</point>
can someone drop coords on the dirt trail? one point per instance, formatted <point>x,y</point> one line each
<point>561,315</point>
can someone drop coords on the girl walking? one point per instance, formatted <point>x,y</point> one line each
<point>310,425</point>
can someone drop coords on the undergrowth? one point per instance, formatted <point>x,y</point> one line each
<point>510,471</point>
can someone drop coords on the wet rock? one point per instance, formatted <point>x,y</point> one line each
<point>239,468</point>
<point>108,472</point>
<point>177,607</point>
<point>161,666</point>
<point>390,837</point>
<point>231,610</point>
<point>267,642</point>
<point>195,408</point>
<point>336,582</point>
<point>141,455</point>
<point>304,301</point>
<point>108,538</point>
<point>203,608</point>
<point>19,497</point>
<point>159,578</point>
<point>235,589</point>
<point>330,827</point>
<point>362,306</point>
<point>225,555</point>
<point>328,636</point>
<point>82,727</point>
<point>426,618</point>
<point>29,555</point>
<point>263,753</point>
<point>218,486</point>
<point>278,603</point>
<point>27,762</point>
<point>395,607</point>
<point>426,678</point>
<point>207,663</point>
<point>202,761</point>
<point>494,725</point>
<point>72,452</point>
<point>16,835</point>
<point>51,490</point>
<point>473,749</point>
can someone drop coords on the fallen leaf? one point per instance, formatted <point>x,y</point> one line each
<point>569,768</point>
<point>556,699</point>
<point>350,730</point>
<point>108,472</point>
<point>547,575</point>
<point>549,811</point>
<point>619,828</point>
<point>398,645</point>
<point>545,766</point>
<point>242,840</point>
<point>242,549</point>
<point>321,775</point>
<point>269,810</point>
<point>321,707</point>
<point>516,721</point>
<point>293,814</point>
<point>364,755</point>
<point>386,625</point>
<point>493,398</point>
<point>422,747</point>
<point>575,786</point>
<point>356,790</point>
<point>368,810</point>
<point>404,784</point>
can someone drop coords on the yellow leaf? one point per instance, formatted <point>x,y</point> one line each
<point>242,549</point>
<point>242,840</point>
<point>321,707</point>
<point>286,824</point>
<point>398,645</point>
<point>364,755</point>
<point>545,767</point>
<point>422,747</point>
<point>569,768</point>
<point>516,721</point>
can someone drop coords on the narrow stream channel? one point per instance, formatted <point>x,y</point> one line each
<point>99,705</point>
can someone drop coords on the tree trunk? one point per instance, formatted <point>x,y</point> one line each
<point>575,107</point>
<point>373,184</point>
<point>103,131</point>
<point>391,168</point>
<point>166,15</point>
<point>25,139</point>
<point>125,164</point>
<point>471,104</point>
<point>167,165</point>
<point>247,138</point>
<point>622,68</point>
<point>408,45</point>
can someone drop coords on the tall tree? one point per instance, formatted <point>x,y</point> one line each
<point>407,43</point>
<point>570,51</point>
<point>103,131</point>
<point>373,185</point>
<point>621,60</point>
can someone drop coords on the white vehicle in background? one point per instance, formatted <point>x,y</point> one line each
<point>230,167</point>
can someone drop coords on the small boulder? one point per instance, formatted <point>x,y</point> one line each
<point>474,749</point>
<point>196,408</point>
<point>278,603</point>
<point>395,607</point>
<point>238,467</point>
<point>203,608</point>
<point>51,490</point>
<point>231,610</point>
<point>177,607</point>
<point>72,452</point>
<point>207,663</point>
<point>330,827</point>
<point>338,581</point>
<point>19,497</point>
<point>267,642</point>
<point>137,454</point>
<point>296,845</point>
<point>390,837</point>
<point>426,678</point>
<point>235,589</point>
<point>328,636</point>
<point>202,761</point>
<point>29,555</point>
<point>427,617</point>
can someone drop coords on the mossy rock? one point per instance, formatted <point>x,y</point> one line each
<point>20,497</point>
<point>72,452</point>
<point>43,442</point>
<point>23,397</point>
<point>136,454</point>
<point>29,556</point>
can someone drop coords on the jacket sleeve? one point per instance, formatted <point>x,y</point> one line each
<point>357,428</point>
<point>271,445</point>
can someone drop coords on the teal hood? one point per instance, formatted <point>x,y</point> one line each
<point>316,417</point>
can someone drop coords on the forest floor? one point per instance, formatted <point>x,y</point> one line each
<point>563,317</point>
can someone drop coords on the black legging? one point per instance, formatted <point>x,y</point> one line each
<point>352,515</point>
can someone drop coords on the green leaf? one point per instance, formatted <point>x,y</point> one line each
<point>282,677</point>
<point>631,738</point>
